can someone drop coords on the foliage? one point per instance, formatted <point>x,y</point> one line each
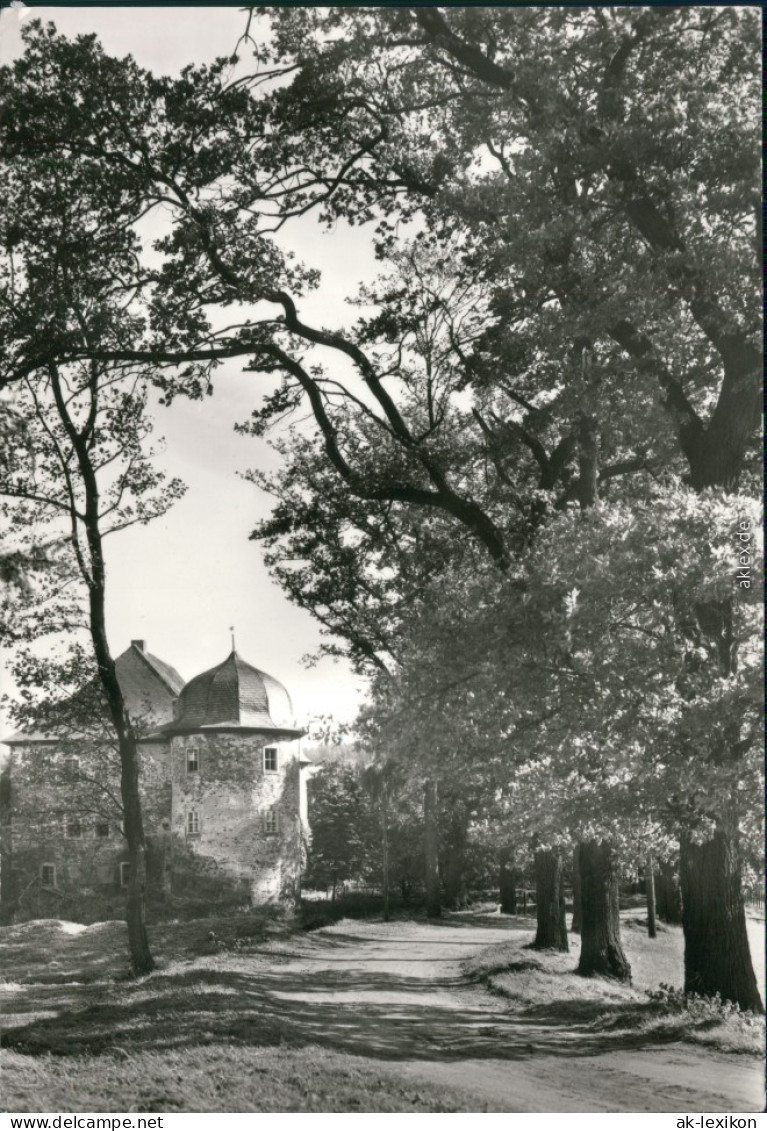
<point>341,846</point>
<point>551,154</point>
<point>584,695</point>
<point>566,207</point>
<point>671,999</point>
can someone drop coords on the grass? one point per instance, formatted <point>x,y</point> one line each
<point>543,984</point>
<point>53,951</point>
<point>81,1036</point>
<point>218,1025</point>
<point>219,1078</point>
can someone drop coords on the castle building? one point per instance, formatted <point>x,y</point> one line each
<point>223,793</point>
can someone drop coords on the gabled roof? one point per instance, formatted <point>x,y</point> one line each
<point>149,687</point>
<point>167,674</point>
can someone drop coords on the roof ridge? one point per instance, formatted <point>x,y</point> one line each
<point>238,696</point>
<point>149,661</point>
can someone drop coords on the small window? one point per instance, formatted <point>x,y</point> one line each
<point>124,873</point>
<point>101,828</point>
<point>48,875</point>
<point>70,770</point>
<point>192,760</point>
<point>192,822</point>
<point>270,759</point>
<point>271,821</point>
<point>72,827</point>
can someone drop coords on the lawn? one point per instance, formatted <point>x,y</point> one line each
<point>536,982</point>
<point>76,979</point>
<point>231,1078</point>
<point>249,1014</point>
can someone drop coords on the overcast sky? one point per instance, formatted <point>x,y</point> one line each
<point>180,582</point>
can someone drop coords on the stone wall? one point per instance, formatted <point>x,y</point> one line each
<point>240,816</point>
<point>61,835</point>
<point>232,858</point>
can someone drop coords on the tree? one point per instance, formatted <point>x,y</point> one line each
<point>611,243</point>
<point>88,469</point>
<point>595,703</point>
<point>85,472</point>
<point>342,823</point>
<point>604,153</point>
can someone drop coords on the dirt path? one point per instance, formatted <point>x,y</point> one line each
<point>353,986</point>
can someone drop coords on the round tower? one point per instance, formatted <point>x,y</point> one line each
<point>236,789</point>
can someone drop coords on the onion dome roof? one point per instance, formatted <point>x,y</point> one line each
<point>233,696</point>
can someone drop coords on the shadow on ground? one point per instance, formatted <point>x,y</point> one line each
<point>372,1014</point>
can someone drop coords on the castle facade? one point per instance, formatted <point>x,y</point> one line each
<point>223,791</point>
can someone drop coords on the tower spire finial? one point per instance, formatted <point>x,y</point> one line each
<point>231,629</point>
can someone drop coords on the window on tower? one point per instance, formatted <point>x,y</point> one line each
<point>70,770</point>
<point>48,875</point>
<point>271,821</point>
<point>192,822</point>
<point>270,759</point>
<point>192,760</point>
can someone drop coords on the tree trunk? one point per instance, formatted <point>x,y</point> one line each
<point>577,920</point>
<point>385,848</point>
<point>138,941</point>
<point>601,950</point>
<point>431,859</point>
<point>649,885</point>
<point>588,460</point>
<point>507,881</point>
<point>668,897</point>
<point>550,902</point>
<point>135,908</point>
<point>454,858</point>
<point>717,958</point>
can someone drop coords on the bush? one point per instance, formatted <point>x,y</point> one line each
<point>671,999</point>
<point>316,913</point>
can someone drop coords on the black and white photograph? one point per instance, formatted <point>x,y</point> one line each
<point>381,644</point>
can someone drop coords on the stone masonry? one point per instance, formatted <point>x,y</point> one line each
<point>223,791</point>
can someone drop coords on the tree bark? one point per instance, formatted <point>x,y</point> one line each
<point>601,950</point>
<point>454,858</point>
<point>550,902</point>
<point>95,578</point>
<point>588,461</point>
<point>717,954</point>
<point>507,881</point>
<point>649,883</point>
<point>577,918</point>
<point>431,858</point>
<point>717,958</point>
<point>668,895</point>
<point>385,848</point>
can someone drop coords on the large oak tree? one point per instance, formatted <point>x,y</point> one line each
<point>591,174</point>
